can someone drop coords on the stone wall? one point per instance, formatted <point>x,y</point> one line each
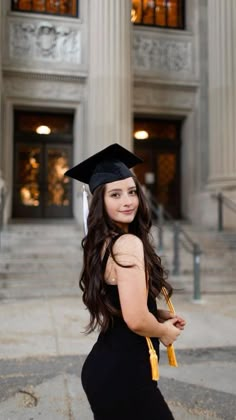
<point>170,80</point>
<point>45,65</point>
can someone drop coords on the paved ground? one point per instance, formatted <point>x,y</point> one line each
<point>42,351</point>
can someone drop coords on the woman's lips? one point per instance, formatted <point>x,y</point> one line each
<point>127,211</point>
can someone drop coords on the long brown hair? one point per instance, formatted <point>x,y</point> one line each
<point>100,229</point>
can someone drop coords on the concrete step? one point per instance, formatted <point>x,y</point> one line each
<point>40,260</point>
<point>217,255</point>
<point>39,252</point>
<point>41,242</point>
<point>197,234</point>
<point>37,293</point>
<point>46,260</point>
<point>31,265</point>
<point>214,267</point>
<point>41,274</point>
<point>27,256</point>
<point>209,284</point>
<point>42,231</point>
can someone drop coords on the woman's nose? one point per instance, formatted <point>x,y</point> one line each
<point>127,200</point>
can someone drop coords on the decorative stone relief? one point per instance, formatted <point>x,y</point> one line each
<point>44,41</point>
<point>162,55</point>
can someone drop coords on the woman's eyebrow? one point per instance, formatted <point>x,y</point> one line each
<point>115,189</point>
<point>120,189</point>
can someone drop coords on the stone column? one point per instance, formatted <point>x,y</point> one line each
<point>1,48</point>
<point>222,94</point>
<point>2,182</point>
<point>110,81</point>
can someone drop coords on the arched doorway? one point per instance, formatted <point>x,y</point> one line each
<point>42,152</point>
<point>160,151</point>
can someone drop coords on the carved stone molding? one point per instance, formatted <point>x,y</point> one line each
<point>168,56</point>
<point>23,74</point>
<point>43,89</point>
<point>46,41</point>
<point>161,98</point>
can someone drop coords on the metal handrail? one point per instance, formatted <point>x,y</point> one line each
<point>230,203</point>
<point>171,219</point>
<point>188,244</point>
<point>223,200</point>
<point>2,206</point>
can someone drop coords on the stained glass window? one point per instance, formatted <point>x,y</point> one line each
<point>162,13</point>
<point>57,183</point>
<point>28,176</point>
<point>53,7</point>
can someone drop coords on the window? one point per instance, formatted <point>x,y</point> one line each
<point>52,7</point>
<point>161,13</point>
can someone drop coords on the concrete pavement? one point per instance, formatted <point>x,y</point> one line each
<point>42,350</point>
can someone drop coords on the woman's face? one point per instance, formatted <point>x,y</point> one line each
<point>121,201</point>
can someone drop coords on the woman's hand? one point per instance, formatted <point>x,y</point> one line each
<point>180,322</point>
<point>171,331</point>
<point>163,315</point>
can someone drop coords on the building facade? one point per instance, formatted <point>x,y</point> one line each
<point>78,75</point>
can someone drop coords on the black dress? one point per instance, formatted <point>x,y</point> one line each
<point>116,375</point>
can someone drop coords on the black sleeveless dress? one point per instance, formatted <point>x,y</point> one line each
<point>116,375</point>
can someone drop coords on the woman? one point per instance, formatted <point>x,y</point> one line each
<point>121,278</point>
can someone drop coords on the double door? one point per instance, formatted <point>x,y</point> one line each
<point>160,173</point>
<point>40,188</point>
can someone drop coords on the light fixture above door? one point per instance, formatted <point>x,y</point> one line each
<point>43,129</point>
<point>141,135</point>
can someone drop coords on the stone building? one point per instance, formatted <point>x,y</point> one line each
<point>76,76</point>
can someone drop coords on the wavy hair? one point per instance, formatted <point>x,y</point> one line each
<point>101,229</point>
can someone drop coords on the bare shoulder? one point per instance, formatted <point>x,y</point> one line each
<point>128,244</point>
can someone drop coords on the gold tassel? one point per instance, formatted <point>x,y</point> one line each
<point>170,349</point>
<point>153,360</point>
<point>171,356</point>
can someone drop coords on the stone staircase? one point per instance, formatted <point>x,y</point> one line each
<point>45,259</point>
<point>40,259</point>
<point>217,262</point>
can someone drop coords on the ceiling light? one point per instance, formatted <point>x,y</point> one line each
<point>43,129</point>
<point>141,135</point>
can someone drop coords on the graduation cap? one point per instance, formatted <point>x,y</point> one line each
<point>109,165</point>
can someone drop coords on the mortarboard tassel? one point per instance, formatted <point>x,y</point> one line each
<point>85,210</point>
<point>153,360</point>
<point>170,349</point>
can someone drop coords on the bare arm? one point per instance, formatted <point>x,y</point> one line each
<point>131,282</point>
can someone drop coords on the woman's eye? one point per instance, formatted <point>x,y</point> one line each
<point>115,195</point>
<point>133,192</point>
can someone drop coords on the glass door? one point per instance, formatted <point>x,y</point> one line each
<point>40,187</point>
<point>57,187</point>
<point>27,194</point>
<point>167,187</point>
<point>43,151</point>
<point>160,150</point>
